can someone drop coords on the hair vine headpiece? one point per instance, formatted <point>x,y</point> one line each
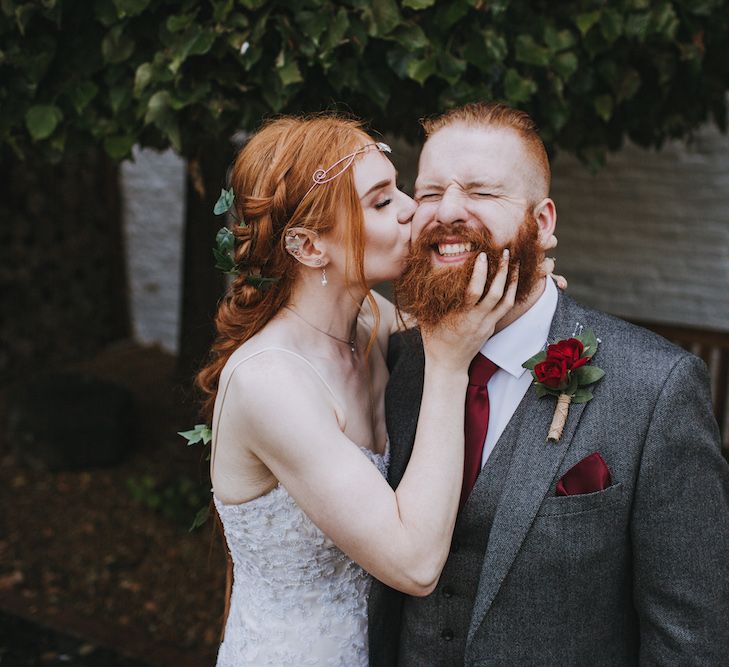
<point>322,176</point>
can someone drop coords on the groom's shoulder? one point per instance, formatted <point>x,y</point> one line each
<point>405,348</point>
<point>628,344</point>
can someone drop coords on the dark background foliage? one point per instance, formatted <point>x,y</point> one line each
<point>163,72</point>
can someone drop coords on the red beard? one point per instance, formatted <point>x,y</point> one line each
<point>431,294</point>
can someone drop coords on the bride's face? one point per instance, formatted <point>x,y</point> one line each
<point>387,216</point>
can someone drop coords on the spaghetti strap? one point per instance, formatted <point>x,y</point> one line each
<point>337,407</point>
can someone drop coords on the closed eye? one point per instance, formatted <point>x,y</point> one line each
<point>432,196</point>
<point>382,204</point>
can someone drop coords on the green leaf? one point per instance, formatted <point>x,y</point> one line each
<point>589,340</point>
<point>290,73</point>
<point>611,24</point>
<point>531,53</point>
<point>495,44</point>
<point>261,282</point>
<point>386,16</point>
<point>119,97</point>
<point>410,36</point>
<point>541,390</point>
<point>337,31</point>
<point>588,374</point>
<point>82,94</point>
<point>604,106</point>
<point>225,240</point>
<point>142,77</point>
<point>420,70</point>
<point>200,518</point>
<point>582,396</point>
<point>530,363</point>
<point>225,201</point>
<point>201,432</point>
<point>518,89</point>
<point>565,64</point>
<point>585,21</point>
<point>130,7</point>
<point>41,120</point>
<point>179,22</point>
<point>558,40</point>
<point>116,47</point>
<point>119,147</point>
<point>418,4</point>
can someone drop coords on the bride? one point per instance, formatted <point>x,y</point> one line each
<point>295,388</point>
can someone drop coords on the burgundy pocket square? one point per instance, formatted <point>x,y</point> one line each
<point>589,475</point>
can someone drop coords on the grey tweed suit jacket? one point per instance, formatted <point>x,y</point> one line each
<point>635,574</point>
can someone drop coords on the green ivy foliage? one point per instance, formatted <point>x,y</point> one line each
<point>182,73</point>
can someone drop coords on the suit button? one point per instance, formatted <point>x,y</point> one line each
<point>455,546</point>
<point>447,634</point>
<point>447,592</point>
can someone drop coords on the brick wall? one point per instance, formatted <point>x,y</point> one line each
<point>648,236</point>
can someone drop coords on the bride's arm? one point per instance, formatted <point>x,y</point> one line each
<point>288,419</point>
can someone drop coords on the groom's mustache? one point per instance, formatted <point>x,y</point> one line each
<point>432,293</point>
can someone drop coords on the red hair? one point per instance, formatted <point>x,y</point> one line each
<point>498,116</point>
<point>270,177</point>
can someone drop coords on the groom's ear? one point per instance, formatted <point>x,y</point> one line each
<point>545,213</point>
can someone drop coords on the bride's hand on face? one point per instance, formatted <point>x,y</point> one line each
<point>455,342</point>
<point>549,262</point>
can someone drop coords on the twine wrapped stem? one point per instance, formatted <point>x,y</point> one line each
<point>560,417</point>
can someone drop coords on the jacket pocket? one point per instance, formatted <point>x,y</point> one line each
<point>584,502</point>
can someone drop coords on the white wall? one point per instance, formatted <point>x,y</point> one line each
<point>153,192</point>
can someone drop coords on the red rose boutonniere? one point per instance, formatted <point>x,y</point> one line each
<point>562,371</point>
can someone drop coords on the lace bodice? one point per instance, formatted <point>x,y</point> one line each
<point>296,599</point>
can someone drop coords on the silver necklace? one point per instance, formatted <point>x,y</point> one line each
<point>352,342</point>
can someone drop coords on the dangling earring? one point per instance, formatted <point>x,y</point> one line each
<point>324,280</point>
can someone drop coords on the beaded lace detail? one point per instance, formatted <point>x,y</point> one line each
<point>296,599</point>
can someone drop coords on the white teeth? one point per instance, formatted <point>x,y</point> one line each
<point>453,248</point>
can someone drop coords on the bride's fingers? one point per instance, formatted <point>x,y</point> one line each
<point>496,290</point>
<point>561,281</point>
<point>551,243</point>
<point>477,283</point>
<point>547,266</point>
<point>509,299</point>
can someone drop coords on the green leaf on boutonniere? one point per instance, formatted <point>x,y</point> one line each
<point>541,390</point>
<point>200,433</point>
<point>530,363</point>
<point>570,387</point>
<point>589,340</point>
<point>588,374</point>
<point>225,201</point>
<point>582,396</point>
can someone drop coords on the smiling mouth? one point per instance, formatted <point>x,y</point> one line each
<point>452,249</point>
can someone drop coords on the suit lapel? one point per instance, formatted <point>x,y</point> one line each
<point>402,400</point>
<point>536,460</point>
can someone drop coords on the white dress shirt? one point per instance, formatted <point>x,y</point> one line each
<point>509,349</point>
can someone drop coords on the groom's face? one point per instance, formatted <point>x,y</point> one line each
<point>476,178</point>
<point>477,190</point>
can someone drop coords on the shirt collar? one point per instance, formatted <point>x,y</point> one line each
<point>524,337</point>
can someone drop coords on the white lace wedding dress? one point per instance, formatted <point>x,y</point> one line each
<point>296,599</point>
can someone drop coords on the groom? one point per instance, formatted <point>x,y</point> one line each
<point>607,547</point>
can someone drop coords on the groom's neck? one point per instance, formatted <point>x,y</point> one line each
<point>520,308</point>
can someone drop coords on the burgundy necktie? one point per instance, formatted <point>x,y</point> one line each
<point>477,420</point>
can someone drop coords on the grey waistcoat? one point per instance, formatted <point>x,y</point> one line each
<point>434,628</point>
